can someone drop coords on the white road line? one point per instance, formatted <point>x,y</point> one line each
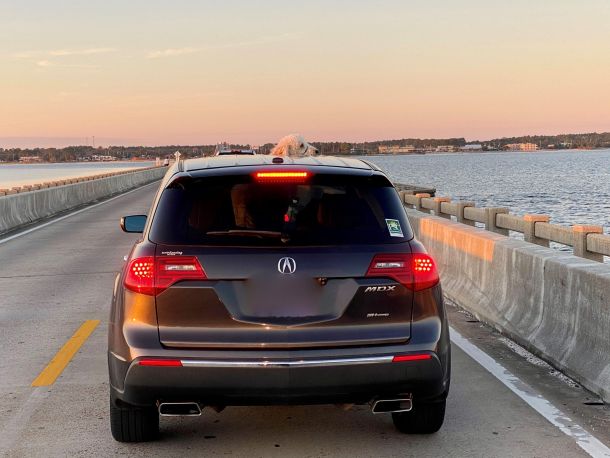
<point>56,220</point>
<point>17,424</point>
<point>593,446</point>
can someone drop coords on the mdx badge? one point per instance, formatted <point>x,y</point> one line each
<point>372,289</point>
<point>286,265</point>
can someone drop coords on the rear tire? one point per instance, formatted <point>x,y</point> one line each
<point>133,424</point>
<point>424,418</point>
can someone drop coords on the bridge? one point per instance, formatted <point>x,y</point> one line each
<point>514,307</point>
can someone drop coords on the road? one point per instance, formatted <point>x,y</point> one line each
<point>54,279</point>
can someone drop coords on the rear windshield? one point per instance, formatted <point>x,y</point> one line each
<point>238,211</point>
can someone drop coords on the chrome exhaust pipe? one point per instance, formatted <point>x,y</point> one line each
<point>402,404</point>
<point>179,409</point>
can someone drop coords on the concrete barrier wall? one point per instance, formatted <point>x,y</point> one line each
<point>554,304</point>
<point>26,207</point>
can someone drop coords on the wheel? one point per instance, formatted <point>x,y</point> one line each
<point>424,418</point>
<point>133,424</point>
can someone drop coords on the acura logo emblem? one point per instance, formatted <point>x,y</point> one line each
<point>286,265</point>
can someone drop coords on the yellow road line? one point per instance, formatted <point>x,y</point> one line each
<point>61,359</point>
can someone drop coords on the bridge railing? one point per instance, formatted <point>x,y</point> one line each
<point>587,241</point>
<point>29,204</point>
<point>65,181</point>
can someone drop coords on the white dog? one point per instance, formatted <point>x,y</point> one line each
<point>294,145</point>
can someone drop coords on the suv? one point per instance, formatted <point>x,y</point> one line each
<point>270,280</point>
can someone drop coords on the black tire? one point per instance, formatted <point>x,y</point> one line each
<point>424,418</point>
<point>134,424</point>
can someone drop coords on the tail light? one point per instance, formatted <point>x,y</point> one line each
<point>153,275</point>
<point>160,362</point>
<point>411,357</point>
<point>296,176</point>
<point>172,269</point>
<point>140,276</point>
<point>415,271</point>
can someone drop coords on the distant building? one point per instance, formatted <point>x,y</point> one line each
<point>445,149</point>
<point>521,147</point>
<point>383,149</point>
<point>30,159</point>
<point>102,158</point>
<point>473,147</point>
<point>359,151</point>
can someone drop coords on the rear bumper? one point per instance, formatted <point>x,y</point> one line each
<point>356,379</point>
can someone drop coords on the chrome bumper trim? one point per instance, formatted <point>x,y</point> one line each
<point>284,345</point>
<point>294,363</point>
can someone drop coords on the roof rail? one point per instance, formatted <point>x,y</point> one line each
<point>371,165</point>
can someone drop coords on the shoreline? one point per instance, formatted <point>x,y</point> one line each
<point>417,153</point>
<point>447,153</point>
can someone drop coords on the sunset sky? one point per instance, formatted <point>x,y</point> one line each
<point>200,72</point>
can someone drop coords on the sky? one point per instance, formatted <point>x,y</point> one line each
<point>246,71</point>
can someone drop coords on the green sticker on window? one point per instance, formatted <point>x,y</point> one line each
<point>394,227</point>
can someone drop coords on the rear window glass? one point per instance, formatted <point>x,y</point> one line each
<point>238,211</point>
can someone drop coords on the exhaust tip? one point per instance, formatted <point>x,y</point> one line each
<point>402,404</point>
<point>179,409</point>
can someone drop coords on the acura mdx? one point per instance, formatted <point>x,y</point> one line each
<point>266,280</point>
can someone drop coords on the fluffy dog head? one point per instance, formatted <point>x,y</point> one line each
<point>294,145</point>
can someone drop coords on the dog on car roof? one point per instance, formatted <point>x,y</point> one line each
<point>294,145</point>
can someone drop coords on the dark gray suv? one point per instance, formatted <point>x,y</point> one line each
<point>269,280</point>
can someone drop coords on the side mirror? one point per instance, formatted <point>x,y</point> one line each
<point>133,223</point>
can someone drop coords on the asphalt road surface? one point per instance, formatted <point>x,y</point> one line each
<point>55,278</point>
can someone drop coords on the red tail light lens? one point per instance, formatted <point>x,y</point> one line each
<point>140,276</point>
<point>153,275</point>
<point>424,270</point>
<point>394,266</point>
<point>282,177</point>
<point>415,271</point>
<point>172,269</point>
<point>416,357</point>
<point>160,362</point>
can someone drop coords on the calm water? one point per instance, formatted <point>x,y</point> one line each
<point>573,187</point>
<point>20,174</point>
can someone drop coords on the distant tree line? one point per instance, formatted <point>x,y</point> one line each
<point>590,140</point>
<point>79,153</point>
<point>335,148</point>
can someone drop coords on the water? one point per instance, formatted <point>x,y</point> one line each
<point>21,174</point>
<point>572,187</point>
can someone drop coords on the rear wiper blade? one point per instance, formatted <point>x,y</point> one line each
<point>246,233</point>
